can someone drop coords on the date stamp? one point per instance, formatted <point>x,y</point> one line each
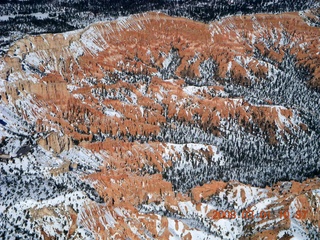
<point>250,214</point>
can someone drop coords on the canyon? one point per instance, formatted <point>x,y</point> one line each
<point>142,127</point>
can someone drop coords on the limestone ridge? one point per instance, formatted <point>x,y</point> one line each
<point>21,17</point>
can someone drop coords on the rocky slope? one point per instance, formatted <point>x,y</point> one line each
<point>144,126</point>
<point>18,18</point>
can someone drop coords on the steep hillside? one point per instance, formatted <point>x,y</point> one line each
<point>18,18</point>
<point>143,126</point>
